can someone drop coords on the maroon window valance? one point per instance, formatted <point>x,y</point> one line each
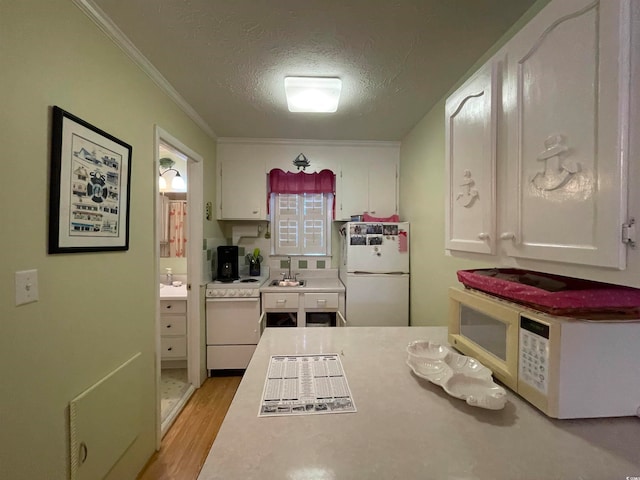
<point>280,181</point>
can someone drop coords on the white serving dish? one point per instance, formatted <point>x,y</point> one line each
<point>459,375</point>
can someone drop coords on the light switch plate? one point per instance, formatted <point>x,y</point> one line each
<point>26,286</point>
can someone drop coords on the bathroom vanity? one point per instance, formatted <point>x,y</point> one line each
<point>173,322</point>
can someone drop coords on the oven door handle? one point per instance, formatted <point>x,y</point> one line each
<point>262,317</point>
<point>234,299</point>
<point>342,319</point>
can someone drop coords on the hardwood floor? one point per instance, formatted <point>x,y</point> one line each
<point>185,446</point>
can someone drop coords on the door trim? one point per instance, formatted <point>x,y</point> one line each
<point>196,370</point>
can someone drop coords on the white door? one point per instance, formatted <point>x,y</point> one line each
<point>375,300</point>
<point>470,214</point>
<point>565,101</point>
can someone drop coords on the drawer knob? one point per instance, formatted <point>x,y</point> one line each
<point>168,307</point>
<point>169,326</point>
<point>170,348</point>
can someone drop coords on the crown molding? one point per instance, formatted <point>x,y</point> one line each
<point>116,35</point>
<point>308,142</point>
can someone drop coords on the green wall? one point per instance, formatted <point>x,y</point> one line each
<point>96,310</point>
<point>422,196</point>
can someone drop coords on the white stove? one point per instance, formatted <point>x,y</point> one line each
<point>233,315</point>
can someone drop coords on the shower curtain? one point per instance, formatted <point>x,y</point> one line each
<point>177,228</point>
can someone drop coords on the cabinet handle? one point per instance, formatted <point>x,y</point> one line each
<point>169,326</point>
<point>281,302</point>
<point>255,212</point>
<point>483,236</point>
<point>169,349</point>
<point>508,236</point>
<point>322,301</point>
<point>168,307</point>
<point>84,452</point>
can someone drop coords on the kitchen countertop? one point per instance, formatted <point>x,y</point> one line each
<point>406,427</point>
<point>313,284</point>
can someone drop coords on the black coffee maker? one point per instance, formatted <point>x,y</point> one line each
<point>227,270</point>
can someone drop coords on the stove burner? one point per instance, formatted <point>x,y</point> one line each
<point>248,280</point>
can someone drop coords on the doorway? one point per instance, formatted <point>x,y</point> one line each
<point>178,260</point>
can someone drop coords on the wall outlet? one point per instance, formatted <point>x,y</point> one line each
<point>26,286</point>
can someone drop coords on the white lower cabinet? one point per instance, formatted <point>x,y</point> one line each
<point>562,141</point>
<point>173,329</point>
<point>308,309</point>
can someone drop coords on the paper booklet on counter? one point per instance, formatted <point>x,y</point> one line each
<point>305,385</point>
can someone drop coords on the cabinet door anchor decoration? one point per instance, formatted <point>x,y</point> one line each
<point>468,195</point>
<point>557,169</point>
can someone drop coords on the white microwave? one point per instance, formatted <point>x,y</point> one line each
<point>565,367</point>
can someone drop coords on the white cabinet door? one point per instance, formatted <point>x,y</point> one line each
<point>367,185</point>
<point>470,132</point>
<point>352,194</point>
<point>243,187</point>
<point>566,104</point>
<point>383,181</point>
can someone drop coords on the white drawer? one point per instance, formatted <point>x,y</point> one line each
<point>173,347</point>
<point>229,357</point>
<point>173,325</point>
<point>321,300</point>
<point>280,300</point>
<point>173,306</point>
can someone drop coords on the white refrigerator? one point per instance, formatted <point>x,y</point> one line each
<point>375,271</point>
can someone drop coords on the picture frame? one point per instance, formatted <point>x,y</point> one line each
<point>89,187</point>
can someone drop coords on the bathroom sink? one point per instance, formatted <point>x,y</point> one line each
<point>287,283</point>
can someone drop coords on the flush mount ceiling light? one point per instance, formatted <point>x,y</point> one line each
<point>312,94</point>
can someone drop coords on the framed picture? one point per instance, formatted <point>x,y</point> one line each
<point>89,187</point>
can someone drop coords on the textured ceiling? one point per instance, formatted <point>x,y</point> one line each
<point>396,58</point>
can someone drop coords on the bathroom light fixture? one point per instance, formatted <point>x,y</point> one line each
<point>177,182</point>
<point>312,94</point>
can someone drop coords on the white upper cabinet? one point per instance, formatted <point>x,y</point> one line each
<point>537,142</point>
<point>366,174</point>
<point>383,188</point>
<point>368,184</point>
<point>352,190</point>
<point>566,106</point>
<point>470,132</point>
<point>242,184</point>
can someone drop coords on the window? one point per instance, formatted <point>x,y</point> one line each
<point>301,223</point>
